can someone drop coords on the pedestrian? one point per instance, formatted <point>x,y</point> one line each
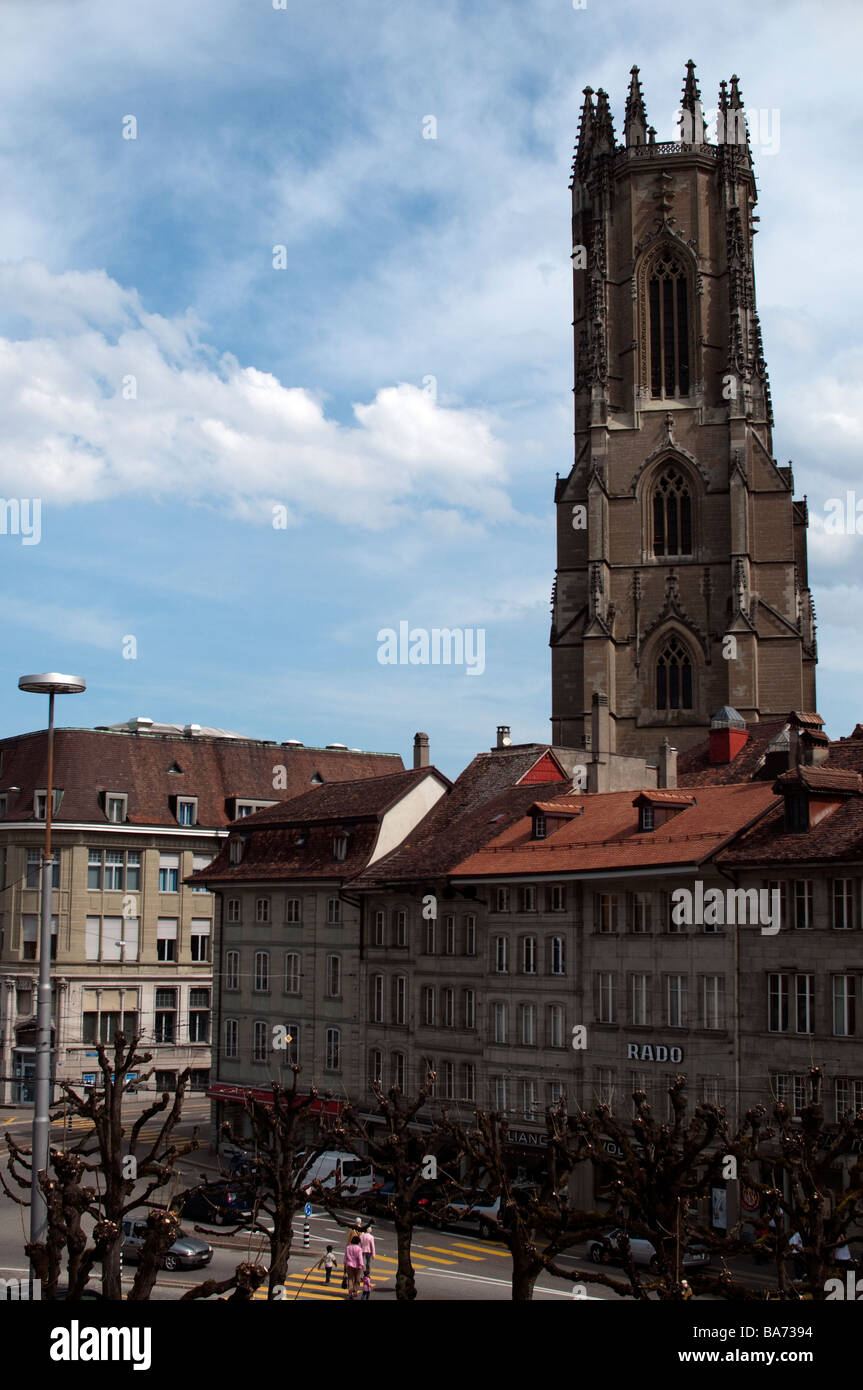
<point>367,1288</point>
<point>329,1263</point>
<point>367,1243</point>
<point>353,1266</point>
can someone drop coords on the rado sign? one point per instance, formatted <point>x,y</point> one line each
<point>653,1052</point>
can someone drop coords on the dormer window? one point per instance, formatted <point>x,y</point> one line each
<point>187,810</point>
<point>40,799</point>
<point>115,807</point>
<point>235,851</point>
<point>316,779</point>
<point>797,811</point>
<point>539,826</point>
<point>340,846</point>
<point>645,818</point>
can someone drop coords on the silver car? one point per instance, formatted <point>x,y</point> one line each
<point>605,1250</point>
<point>187,1252</point>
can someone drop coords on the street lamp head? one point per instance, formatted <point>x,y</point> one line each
<point>51,683</point>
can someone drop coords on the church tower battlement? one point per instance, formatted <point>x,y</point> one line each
<point>681,582</point>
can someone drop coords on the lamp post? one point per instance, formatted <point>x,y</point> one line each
<point>49,684</point>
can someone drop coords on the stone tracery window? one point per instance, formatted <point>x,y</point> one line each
<point>668,302</point>
<point>672,514</point>
<point>673,676</point>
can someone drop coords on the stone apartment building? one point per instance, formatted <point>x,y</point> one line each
<point>137,808</point>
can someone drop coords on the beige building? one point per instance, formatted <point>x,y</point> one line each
<point>138,808</point>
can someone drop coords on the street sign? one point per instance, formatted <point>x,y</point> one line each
<point>308,1208</point>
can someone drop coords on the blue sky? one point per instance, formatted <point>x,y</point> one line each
<point>309,387</point>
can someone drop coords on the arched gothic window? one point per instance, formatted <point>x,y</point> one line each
<point>669,326</point>
<point>673,676</point>
<point>672,514</point>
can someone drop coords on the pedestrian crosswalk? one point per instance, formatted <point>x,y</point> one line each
<point>310,1283</point>
<point>79,1124</point>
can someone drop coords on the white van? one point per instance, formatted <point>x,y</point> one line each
<point>334,1166</point>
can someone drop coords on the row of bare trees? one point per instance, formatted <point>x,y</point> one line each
<point>656,1180</point>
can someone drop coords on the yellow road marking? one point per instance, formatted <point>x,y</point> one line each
<point>501,1254</point>
<point>450,1251</point>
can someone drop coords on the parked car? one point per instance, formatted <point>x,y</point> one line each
<point>187,1252</point>
<point>336,1166</point>
<point>604,1249</point>
<point>218,1204</point>
<point>481,1213</point>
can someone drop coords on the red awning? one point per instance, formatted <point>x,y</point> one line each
<point>221,1090</point>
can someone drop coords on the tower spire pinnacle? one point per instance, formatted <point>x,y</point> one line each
<point>585,130</point>
<point>693,127</point>
<point>604,123</point>
<point>635,121</point>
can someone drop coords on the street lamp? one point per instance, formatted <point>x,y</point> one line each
<point>49,684</point>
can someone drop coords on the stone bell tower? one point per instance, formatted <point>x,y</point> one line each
<point>681,581</point>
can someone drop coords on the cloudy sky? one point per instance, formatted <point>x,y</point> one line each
<point>392,388</point>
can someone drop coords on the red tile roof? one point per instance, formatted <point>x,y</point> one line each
<point>367,799</point>
<point>89,762</point>
<point>607,837</point>
<point>694,768</point>
<point>820,778</point>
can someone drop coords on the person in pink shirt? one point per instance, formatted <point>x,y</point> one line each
<point>354,1266</point>
<point>367,1244</point>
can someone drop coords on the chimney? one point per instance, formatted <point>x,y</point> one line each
<point>600,726</point>
<point>503,738</point>
<point>666,773</point>
<point>421,750</point>
<point>728,735</point>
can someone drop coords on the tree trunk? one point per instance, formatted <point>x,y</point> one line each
<point>525,1271</point>
<point>405,1281</point>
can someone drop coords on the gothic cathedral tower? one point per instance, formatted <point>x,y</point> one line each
<point>681,580</point>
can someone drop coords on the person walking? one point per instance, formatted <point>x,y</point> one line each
<point>353,1266</point>
<point>367,1288</point>
<point>367,1244</point>
<point>329,1263</point>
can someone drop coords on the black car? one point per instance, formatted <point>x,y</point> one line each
<point>217,1204</point>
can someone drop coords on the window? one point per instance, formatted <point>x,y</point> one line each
<point>558,897</point>
<point>448,1080</point>
<point>334,912</point>
<point>401,928</point>
<point>94,870</point>
<point>676,1001</point>
<point>797,811</point>
<point>377,999</point>
<point>187,810</point>
<point>604,1086</point>
<point>166,1015</point>
<point>169,870</point>
<point>530,1098</point>
<point>470,936</point>
<point>805,1003</point>
<point>334,977</point>
<point>104,1026</point>
<point>528,899</point>
<point>398,1070</point>
<point>232,1042</point>
<point>199,1015</point>
<point>712,998</point>
<point>235,851</point>
<point>232,970</point>
<point>340,847</point>
<point>166,939</point>
<point>200,862</point>
<point>292,1048</point>
<point>606,904</point>
<point>292,910</point>
<point>645,818</point>
<point>34,869</point>
<point>40,799</point>
<point>30,936</point>
<point>448,1007</point>
<point>528,955</point>
<point>429,1005</point>
<point>844,1005</point>
<point>262,972</point>
<point>380,921</point>
<point>710,1089</point>
<point>449,935</point>
<point>843,904</point>
<point>789,1089</point>
<point>499,1093</point>
<point>803,916</point>
<point>232,910</point>
<point>262,909</point>
<point>293,964</point>
<point>638,1000</point>
<point>468,1081</point>
<point>501,954</point>
<point>848,1096</point>
<point>528,1025</point>
<point>555,1025</point>
<point>605,997</point>
<point>133,870</point>
<point>668,313</point>
<point>430,936</point>
<point>499,1016</point>
<point>115,807</point>
<point>165,1080</point>
<point>469,998</point>
<point>791,1003</point>
<point>199,940</point>
<point>376,1067</point>
<point>114,876</point>
<point>121,871</point>
<point>539,830</point>
<point>400,988</point>
<point>501,900</point>
<point>555,1092</point>
<point>558,956</point>
<point>673,676</point>
<point>673,928</point>
<point>261,1041</point>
